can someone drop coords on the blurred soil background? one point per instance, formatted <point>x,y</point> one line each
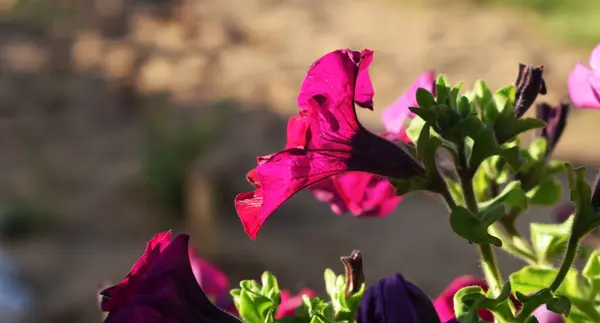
<point>122,118</point>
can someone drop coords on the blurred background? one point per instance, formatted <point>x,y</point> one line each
<point>122,118</point>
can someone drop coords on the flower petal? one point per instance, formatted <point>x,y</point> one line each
<point>595,58</point>
<point>120,294</point>
<point>213,281</point>
<point>342,73</point>
<point>444,304</point>
<point>393,117</point>
<point>394,299</point>
<point>543,315</point>
<point>326,191</point>
<point>584,87</point>
<point>289,303</point>
<point>367,194</point>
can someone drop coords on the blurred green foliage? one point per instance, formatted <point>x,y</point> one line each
<point>573,21</point>
<point>22,216</point>
<point>170,149</point>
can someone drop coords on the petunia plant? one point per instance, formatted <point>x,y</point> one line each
<point>468,146</point>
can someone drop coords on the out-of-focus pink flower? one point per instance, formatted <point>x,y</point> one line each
<point>213,281</point>
<point>326,140</point>
<point>290,303</point>
<point>584,82</point>
<point>161,287</point>
<point>444,304</point>
<point>543,315</point>
<point>394,117</point>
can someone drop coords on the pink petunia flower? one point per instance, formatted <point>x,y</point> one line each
<point>395,116</point>
<point>162,287</point>
<point>290,303</point>
<point>326,140</point>
<point>584,82</point>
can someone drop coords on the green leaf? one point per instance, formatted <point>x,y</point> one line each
<point>253,307</point>
<point>537,148</point>
<point>549,240</point>
<point>548,192</point>
<point>425,98</point>
<point>442,88</point>
<point>505,97</point>
<point>414,128</point>
<point>559,304</point>
<point>492,214</point>
<point>426,114</point>
<point>269,283</point>
<point>466,313</point>
<point>330,286</point>
<point>585,219</point>
<point>591,272</point>
<point>512,195</point>
<point>531,279</point>
<point>468,226</point>
<point>464,107</point>
<point>487,104</point>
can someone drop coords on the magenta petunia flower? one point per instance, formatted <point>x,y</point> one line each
<point>444,304</point>
<point>290,303</point>
<point>324,140</point>
<point>395,116</point>
<point>161,287</point>
<point>584,82</point>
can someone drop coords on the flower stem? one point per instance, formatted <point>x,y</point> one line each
<point>567,262</point>
<point>488,257</point>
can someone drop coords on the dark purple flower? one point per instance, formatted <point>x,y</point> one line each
<point>393,300</point>
<point>162,288</point>
<point>556,120</point>
<point>529,84</point>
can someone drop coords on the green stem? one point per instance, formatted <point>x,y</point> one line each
<point>488,257</point>
<point>567,262</point>
<point>491,270</point>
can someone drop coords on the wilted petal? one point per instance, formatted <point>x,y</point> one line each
<point>290,303</point>
<point>394,300</point>
<point>393,118</point>
<point>543,315</point>
<point>444,304</point>
<point>584,87</point>
<point>556,121</point>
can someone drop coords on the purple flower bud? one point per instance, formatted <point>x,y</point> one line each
<point>556,120</point>
<point>394,299</point>
<point>529,84</point>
